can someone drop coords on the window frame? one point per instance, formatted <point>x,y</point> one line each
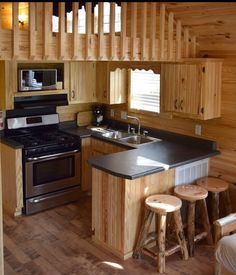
<point>156,70</point>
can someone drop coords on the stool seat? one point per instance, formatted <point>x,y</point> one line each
<point>213,184</point>
<point>191,192</point>
<point>163,203</point>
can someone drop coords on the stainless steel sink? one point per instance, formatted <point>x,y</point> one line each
<point>137,139</point>
<point>116,135</point>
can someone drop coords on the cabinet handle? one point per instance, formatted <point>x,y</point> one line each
<point>181,104</point>
<point>176,107</point>
<point>73,94</point>
<point>105,94</point>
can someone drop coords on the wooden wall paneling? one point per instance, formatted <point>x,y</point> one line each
<point>153,53</point>
<point>170,49</point>
<point>186,42</point>
<point>123,30</point>
<point>178,40</point>
<point>133,30</point>
<point>15,30</point>
<point>12,188</point>
<point>1,33</point>
<point>62,41</point>
<point>32,42</point>
<point>143,31</point>
<point>75,7</point>
<point>100,31</point>
<point>1,226</point>
<point>193,49</point>
<point>88,30</point>
<point>162,32</point>
<point>46,29</point>
<point>112,31</point>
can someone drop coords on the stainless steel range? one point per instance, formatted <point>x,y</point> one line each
<point>51,160</point>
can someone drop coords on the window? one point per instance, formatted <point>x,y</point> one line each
<point>145,90</point>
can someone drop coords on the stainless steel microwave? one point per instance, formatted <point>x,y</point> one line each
<point>37,79</point>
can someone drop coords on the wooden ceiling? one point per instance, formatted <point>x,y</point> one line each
<point>214,23</point>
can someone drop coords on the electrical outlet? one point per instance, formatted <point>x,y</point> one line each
<point>112,113</point>
<point>123,115</point>
<point>198,129</point>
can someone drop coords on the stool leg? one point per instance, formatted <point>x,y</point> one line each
<point>180,234</point>
<point>161,238</point>
<point>227,202</point>
<point>215,206</point>
<point>146,222</point>
<point>206,223</point>
<point>191,227</point>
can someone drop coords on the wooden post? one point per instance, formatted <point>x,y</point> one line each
<point>170,35</point>
<point>32,44</point>
<point>153,31</point>
<point>206,223</point>
<point>180,234</point>
<point>46,28</point>
<point>0,32</point>
<point>15,30</point>
<point>112,30</point>
<point>146,222</point>
<point>88,30</point>
<point>143,30</point>
<point>100,30</point>
<point>61,30</point>
<point>178,40</point>
<point>161,237</point>
<point>123,30</point>
<point>186,42</point>
<point>133,30</point>
<point>162,31</point>
<point>191,227</point>
<point>215,206</point>
<point>75,7</point>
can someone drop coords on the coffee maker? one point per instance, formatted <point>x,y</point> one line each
<point>98,115</point>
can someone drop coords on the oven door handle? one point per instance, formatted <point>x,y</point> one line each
<point>53,155</point>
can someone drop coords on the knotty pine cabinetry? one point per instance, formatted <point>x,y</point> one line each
<point>91,147</point>
<point>192,89</point>
<point>82,82</point>
<point>1,220</point>
<point>111,85</point>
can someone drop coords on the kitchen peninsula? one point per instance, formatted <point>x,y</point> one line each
<point>122,181</point>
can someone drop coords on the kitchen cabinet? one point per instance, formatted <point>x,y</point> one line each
<point>82,82</point>
<point>192,89</point>
<point>111,84</point>
<point>91,147</point>
<point>1,230</point>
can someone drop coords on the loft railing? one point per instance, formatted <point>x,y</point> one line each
<point>148,33</point>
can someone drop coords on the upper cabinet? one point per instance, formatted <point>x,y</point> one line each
<point>192,89</point>
<point>82,82</point>
<point>111,85</point>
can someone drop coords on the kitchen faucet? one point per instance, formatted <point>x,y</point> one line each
<point>138,121</point>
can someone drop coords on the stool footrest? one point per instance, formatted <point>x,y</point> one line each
<point>200,236</point>
<point>151,237</point>
<point>168,252</point>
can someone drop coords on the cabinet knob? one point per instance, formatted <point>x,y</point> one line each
<point>104,93</point>
<point>181,104</point>
<point>72,94</point>
<point>176,101</point>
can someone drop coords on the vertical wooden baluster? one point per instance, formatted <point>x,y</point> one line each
<point>46,28</point>
<point>0,31</point>
<point>15,30</point>
<point>75,7</point>
<point>186,42</point>
<point>123,30</point>
<point>100,30</point>
<point>194,45</point>
<point>162,31</point>
<point>32,44</point>
<point>61,30</point>
<point>178,40</point>
<point>112,30</point>
<point>143,30</point>
<point>170,35</point>
<point>133,30</point>
<point>88,30</point>
<point>153,31</point>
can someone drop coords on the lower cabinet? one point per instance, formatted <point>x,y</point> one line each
<point>91,147</point>
<point>1,230</point>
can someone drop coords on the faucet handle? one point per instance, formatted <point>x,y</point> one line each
<point>132,130</point>
<point>145,133</point>
<point>128,128</point>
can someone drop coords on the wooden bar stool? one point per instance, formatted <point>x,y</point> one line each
<point>192,194</point>
<point>216,186</point>
<point>160,205</point>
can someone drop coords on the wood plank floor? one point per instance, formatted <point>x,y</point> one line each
<point>58,241</point>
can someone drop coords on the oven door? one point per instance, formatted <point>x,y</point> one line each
<point>51,173</point>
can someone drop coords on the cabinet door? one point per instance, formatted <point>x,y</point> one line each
<point>82,82</point>
<point>86,153</point>
<point>102,82</point>
<point>118,86</point>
